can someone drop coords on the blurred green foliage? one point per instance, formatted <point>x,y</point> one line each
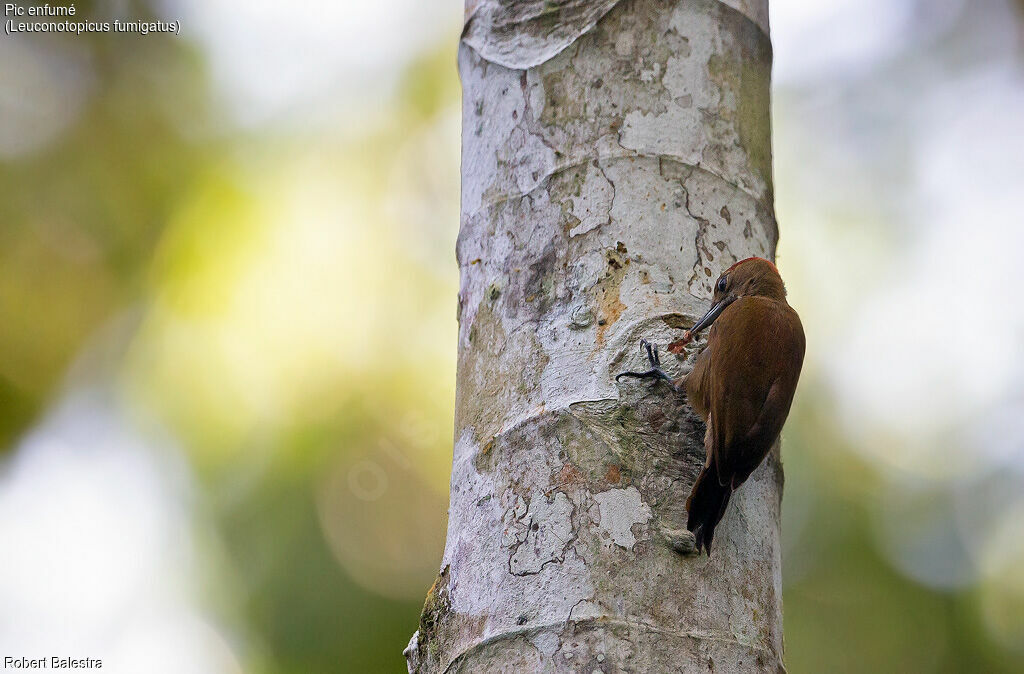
<point>846,608</point>
<point>81,215</point>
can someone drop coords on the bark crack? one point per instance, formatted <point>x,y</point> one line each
<point>602,622</point>
<point>609,157</point>
<point>546,33</point>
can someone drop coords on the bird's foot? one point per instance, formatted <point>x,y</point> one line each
<point>655,360</point>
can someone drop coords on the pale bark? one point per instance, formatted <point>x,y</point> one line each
<point>616,158</point>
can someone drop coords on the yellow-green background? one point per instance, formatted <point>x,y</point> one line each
<point>227,333</point>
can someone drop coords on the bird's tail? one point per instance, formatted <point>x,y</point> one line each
<point>706,506</point>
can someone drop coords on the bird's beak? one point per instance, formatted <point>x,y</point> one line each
<point>713,313</point>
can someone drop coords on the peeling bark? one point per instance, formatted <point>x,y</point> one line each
<point>616,158</point>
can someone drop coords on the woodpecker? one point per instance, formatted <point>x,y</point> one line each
<point>742,383</point>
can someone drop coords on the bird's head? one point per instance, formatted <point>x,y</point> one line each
<point>754,276</point>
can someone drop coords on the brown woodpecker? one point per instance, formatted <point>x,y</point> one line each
<point>742,384</point>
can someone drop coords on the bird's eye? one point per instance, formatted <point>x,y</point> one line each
<point>721,284</point>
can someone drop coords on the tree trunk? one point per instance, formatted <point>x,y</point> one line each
<point>616,158</point>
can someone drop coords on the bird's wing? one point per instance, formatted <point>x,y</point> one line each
<point>697,384</point>
<point>756,352</point>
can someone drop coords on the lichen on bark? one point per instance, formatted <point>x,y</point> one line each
<point>616,158</point>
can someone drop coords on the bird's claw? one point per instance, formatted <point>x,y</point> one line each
<point>652,352</point>
<point>655,360</point>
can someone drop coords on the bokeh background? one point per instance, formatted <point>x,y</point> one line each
<point>227,333</point>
